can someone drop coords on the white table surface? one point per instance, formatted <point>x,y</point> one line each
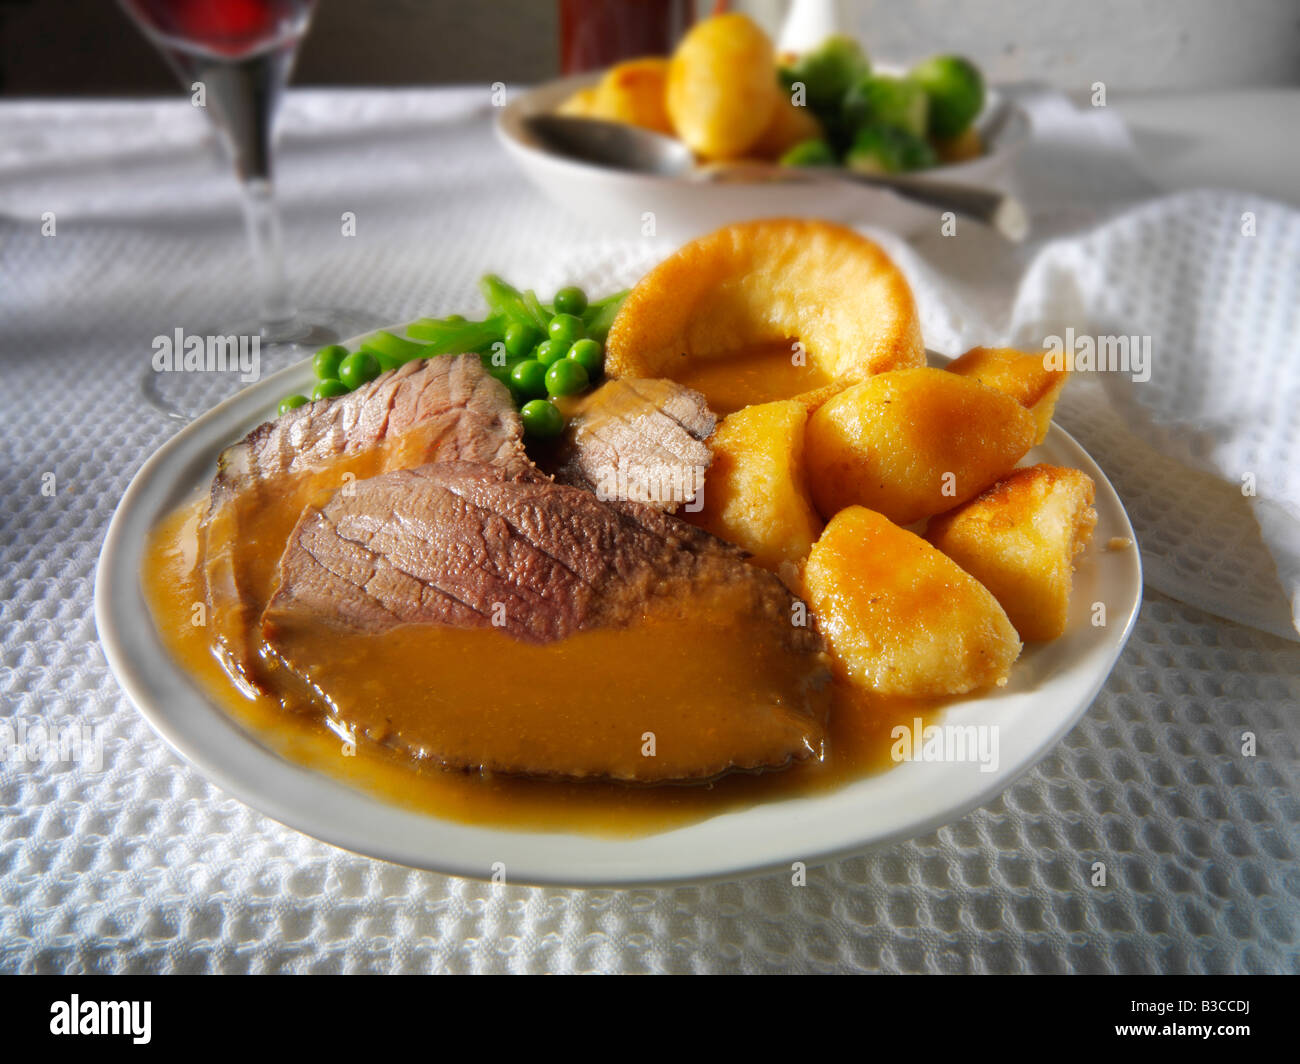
<point>144,866</point>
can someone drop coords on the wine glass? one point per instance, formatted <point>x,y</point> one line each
<point>238,55</point>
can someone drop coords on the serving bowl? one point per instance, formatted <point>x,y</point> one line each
<point>634,204</point>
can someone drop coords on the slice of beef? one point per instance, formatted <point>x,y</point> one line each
<point>466,547</point>
<point>445,408</point>
<point>640,440</point>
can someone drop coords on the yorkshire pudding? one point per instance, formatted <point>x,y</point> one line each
<point>704,311</point>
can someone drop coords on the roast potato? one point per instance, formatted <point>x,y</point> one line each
<point>913,443</point>
<point>1019,539</point>
<point>764,283</point>
<point>722,86</point>
<point>755,492</point>
<point>636,92</point>
<point>1023,375</point>
<point>789,125</point>
<point>899,617</point>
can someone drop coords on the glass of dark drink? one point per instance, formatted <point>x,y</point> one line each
<point>236,56</point>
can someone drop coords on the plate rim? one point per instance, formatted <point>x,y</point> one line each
<point>117,591</point>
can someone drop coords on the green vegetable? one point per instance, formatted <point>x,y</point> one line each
<point>528,379</point>
<point>541,419</point>
<point>955,88</point>
<point>550,351</point>
<point>566,329</point>
<point>326,361</point>
<point>454,319</point>
<point>395,347</point>
<point>506,301</point>
<point>878,100</point>
<point>590,355</point>
<point>359,368</point>
<point>886,150</point>
<point>453,338</point>
<point>521,339</point>
<point>827,72</point>
<point>600,315</point>
<point>328,389</point>
<point>289,402</point>
<point>570,300</point>
<point>810,153</point>
<point>566,377</point>
<point>539,314</point>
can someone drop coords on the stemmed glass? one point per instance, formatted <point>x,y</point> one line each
<point>237,54</point>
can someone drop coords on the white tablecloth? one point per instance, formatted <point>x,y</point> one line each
<point>141,865</point>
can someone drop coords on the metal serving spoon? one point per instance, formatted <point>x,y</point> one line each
<point>630,148</point>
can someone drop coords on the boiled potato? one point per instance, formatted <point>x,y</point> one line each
<point>722,86</point>
<point>1019,539</point>
<point>763,284</point>
<point>635,92</point>
<point>901,618</point>
<point>755,492</point>
<point>789,125</point>
<point>1023,375</point>
<point>913,443</point>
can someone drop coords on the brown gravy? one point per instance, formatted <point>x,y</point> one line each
<point>858,736</point>
<point>760,375</point>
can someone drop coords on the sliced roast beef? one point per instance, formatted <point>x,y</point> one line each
<point>641,440</point>
<point>712,659</point>
<point>427,410</point>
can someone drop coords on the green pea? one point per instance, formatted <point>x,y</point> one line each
<point>328,390</point>
<point>566,377</point>
<point>541,419</point>
<point>520,339</point>
<point>326,362</point>
<point>570,300</point>
<point>359,368</point>
<point>290,402</point>
<point>566,329</point>
<point>454,319</point>
<point>528,379</point>
<point>551,351</point>
<point>589,355</point>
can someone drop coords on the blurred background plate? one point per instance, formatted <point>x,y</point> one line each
<point>628,204</point>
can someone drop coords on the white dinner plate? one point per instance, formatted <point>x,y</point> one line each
<point>1050,688</point>
<point>625,203</point>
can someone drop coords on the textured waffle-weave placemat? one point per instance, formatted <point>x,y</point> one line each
<point>140,865</point>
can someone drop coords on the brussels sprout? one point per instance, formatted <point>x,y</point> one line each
<point>814,152</point>
<point>885,101</point>
<point>887,150</point>
<point>827,72</point>
<point>956,91</point>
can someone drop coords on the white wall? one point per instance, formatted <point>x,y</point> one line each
<point>1128,44</point>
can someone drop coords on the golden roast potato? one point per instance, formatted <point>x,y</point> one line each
<point>636,92</point>
<point>816,294</point>
<point>722,86</point>
<point>755,492</point>
<point>789,125</point>
<point>899,617</point>
<point>913,443</point>
<point>1023,375</point>
<point>1019,539</point>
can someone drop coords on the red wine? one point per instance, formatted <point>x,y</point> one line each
<point>227,28</point>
